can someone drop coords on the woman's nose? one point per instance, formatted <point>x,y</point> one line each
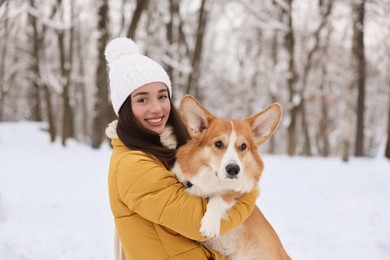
<point>155,106</point>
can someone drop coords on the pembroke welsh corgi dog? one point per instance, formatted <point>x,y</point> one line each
<point>222,162</point>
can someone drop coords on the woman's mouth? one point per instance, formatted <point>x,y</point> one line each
<point>155,121</point>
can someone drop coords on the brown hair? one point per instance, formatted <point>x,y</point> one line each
<point>137,137</point>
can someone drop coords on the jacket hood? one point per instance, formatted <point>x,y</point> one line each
<point>167,138</point>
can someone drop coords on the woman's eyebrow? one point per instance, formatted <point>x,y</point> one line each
<point>146,93</point>
<point>140,94</point>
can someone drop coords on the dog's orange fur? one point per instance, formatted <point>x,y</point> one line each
<point>255,238</point>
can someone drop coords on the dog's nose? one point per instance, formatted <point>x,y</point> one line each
<point>232,169</point>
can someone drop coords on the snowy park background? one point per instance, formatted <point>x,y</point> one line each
<point>326,62</point>
<point>54,202</point>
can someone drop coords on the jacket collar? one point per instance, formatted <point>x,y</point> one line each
<point>111,130</point>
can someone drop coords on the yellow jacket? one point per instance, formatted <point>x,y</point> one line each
<point>154,216</point>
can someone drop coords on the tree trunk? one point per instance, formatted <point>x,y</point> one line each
<point>387,151</point>
<point>35,101</point>
<point>65,69</point>
<point>81,87</point>
<point>141,5</point>
<point>49,113</point>
<point>67,116</point>
<point>52,129</point>
<point>273,96</point>
<point>171,29</point>
<point>122,25</point>
<point>193,79</point>
<point>305,129</point>
<point>347,131</point>
<point>324,121</point>
<point>101,108</point>
<point>357,78</point>
<point>325,8</point>
<point>291,83</point>
<point>180,53</point>
<point>358,52</point>
<point>3,47</point>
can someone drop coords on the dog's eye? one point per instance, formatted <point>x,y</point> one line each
<point>219,144</point>
<point>243,147</point>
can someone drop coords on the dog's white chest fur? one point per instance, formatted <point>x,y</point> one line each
<point>207,184</point>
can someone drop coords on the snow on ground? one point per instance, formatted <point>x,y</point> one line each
<point>54,202</point>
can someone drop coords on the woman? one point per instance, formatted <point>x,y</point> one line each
<point>154,216</point>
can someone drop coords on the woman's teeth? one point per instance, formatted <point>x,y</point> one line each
<point>154,120</point>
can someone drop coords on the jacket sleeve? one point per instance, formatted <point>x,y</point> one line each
<point>159,197</point>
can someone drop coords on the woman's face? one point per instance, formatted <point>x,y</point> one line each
<point>151,106</point>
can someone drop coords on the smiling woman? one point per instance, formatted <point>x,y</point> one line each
<point>154,216</point>
<point>151,106</point>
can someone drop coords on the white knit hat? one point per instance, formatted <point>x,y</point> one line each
<point>129,70</point>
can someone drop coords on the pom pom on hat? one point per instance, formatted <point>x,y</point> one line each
<point>129,70</point>
<point>119,47</point>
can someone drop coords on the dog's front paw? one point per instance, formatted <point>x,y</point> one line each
<point>210,226</point>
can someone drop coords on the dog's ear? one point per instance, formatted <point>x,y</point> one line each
<point>195,117</point>
<point>265,122</point>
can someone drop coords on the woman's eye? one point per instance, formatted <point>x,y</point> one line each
<point>141,100</point>
<point>163,97</point>
<point>243,147</point>
<point>219,144</point>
